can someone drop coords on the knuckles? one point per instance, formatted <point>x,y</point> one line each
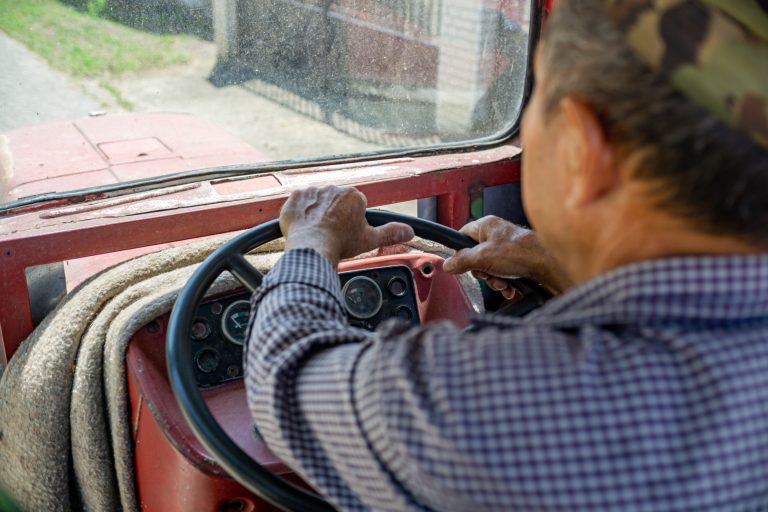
<point>328,194</point>
<point>326,204</point>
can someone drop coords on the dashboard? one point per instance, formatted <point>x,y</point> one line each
<point>370,297</point>
<point>173,468</point>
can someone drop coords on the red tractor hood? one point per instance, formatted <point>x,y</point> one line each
<point>94,151</point>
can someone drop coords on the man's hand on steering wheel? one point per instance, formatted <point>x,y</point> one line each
<point>505,251</point>
<point>331,220</point>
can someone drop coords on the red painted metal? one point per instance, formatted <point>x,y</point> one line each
<point>453,209</point>
<point>47,236</point>
<point>168,481</point>
<point>173,471</point>
<point>88,152</point>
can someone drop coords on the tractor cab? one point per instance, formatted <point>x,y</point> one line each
<point>110,393</point>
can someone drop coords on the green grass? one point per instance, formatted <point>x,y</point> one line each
<point>117,95</point>
<point>82,44</point>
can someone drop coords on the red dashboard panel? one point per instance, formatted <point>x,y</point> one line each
<point>174,472</point>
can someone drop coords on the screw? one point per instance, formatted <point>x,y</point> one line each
<point>235,505</point>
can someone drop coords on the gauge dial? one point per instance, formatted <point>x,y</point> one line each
<point>397,286</point>
<point>234,321</point>
<point>200,329</point>
<point>362,297</point>
<point>404,313</point>
<point>207,360</point>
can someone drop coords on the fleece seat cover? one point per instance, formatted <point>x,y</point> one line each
<point>65,441</point>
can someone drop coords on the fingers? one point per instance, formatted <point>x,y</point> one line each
<point>472,230</point>
<point>509,292</point>
<point>479,229</point>
<point>463,261</point>
<point>469,260</point>
<point>498,284</point>
<point>390,234</point>
<point>504,286</point>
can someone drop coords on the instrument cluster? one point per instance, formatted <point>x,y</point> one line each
<point>218,333</point>
<point>370,296</point>
<point>374,295</point>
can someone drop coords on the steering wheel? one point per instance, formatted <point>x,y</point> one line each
<point>230,256</point>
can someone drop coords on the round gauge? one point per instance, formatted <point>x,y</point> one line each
<point>397,286</point>
<point>200,329</point>
<point>404,313</point>
<point>234,321</point>
<point>207,360</point>
<point>362,297</point>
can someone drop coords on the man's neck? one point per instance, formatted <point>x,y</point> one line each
<point>635,237</point>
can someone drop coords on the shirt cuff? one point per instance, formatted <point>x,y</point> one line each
<point>303,266</point>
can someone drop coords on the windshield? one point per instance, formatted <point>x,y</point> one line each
<point>97,92</point>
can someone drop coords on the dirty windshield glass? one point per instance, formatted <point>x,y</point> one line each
<point>97,92</point>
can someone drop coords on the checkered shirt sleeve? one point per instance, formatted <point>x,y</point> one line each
<point>638,391</point>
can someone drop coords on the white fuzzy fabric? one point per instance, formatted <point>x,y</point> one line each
<point>65,441</point>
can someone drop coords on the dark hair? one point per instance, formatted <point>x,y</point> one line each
<point>702,170</point>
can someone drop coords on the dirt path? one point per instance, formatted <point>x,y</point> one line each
<point>31,92</point>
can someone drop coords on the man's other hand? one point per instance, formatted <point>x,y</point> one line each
<point>505,251</point>
<point>331,220</point>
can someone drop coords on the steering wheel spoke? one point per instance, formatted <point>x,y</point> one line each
<point>244,272</point>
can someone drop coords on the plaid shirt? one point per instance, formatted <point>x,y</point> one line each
<point>645,389</point>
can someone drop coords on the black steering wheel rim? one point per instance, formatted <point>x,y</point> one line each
<point>230,256</point>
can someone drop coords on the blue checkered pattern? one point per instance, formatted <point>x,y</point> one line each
<point>645,389</point>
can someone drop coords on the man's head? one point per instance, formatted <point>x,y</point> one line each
<point>604,135</point>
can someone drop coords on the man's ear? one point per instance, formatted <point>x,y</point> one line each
<point>592,167</point>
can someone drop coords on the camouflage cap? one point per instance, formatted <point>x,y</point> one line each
<point>713,51</point>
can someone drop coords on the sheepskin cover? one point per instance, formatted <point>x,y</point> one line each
<point>65,438</point>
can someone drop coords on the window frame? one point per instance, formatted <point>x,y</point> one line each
<point>59,227</point>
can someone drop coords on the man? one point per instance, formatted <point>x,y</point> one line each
<point>644,385</point>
